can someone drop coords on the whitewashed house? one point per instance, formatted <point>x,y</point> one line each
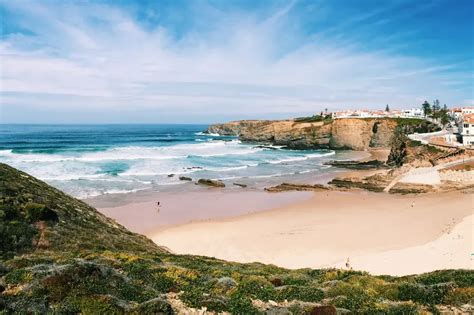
<point>467,111</point>
<point>412,113</point>
<point>467,130</point>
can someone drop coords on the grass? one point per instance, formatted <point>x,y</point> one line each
<point>314,118</point>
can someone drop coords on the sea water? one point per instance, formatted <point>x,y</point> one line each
<point>92,160</point>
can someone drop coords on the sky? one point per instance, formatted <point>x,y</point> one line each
<point>193,61</point>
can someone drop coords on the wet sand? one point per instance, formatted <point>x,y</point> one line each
<point>145,217</point>
<point>378,232</point>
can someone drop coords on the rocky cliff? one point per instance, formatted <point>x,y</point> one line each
<point>349,133</point>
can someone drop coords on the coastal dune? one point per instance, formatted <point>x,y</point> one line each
<point>379,233</point>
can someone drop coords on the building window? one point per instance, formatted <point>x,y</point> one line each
<point>466,125</point>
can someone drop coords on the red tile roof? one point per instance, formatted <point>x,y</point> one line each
<point>469,118</point>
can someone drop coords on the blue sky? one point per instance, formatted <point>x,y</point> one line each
<point>208,61</point>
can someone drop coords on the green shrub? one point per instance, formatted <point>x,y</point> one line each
<point>193,296</point>
<point>426,294</point>
<point>138,269</point>
<point>339,274</point>
<point>18,276</point>
<point>240,304</point>
<point>414,143</point>
<point>314,118</point>
<point>295,279</point>
<point>462,278</point>
<point>352,297</point>
<point>164,284</point>
<point>15,236</point>
<point>257,287</point>
<point>460,296</point>
<point>301,293</point>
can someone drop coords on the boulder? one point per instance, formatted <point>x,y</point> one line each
<point>323,310</point>
<point>210,182</point>
<point>185,178</point>
<point>277,282</point>
<point>226,283</point>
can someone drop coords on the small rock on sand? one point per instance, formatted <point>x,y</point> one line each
<point>211,183</point>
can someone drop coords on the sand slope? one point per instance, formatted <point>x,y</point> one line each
<point>452,250</point>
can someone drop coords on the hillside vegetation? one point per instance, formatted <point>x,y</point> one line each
<point>59,255</point>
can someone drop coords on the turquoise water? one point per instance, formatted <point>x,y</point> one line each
<point>91,160</point>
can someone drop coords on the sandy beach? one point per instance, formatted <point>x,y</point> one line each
<point>378,232</point>
<point>142,215</point>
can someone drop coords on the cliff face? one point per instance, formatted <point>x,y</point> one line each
<point>353,133</point>
<point>361,134</point>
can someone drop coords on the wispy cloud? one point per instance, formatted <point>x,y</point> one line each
<point>97,57</point>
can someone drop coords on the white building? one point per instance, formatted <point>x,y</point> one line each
<point>404,113</point>
<point>412,113</point>
<point>467,111</point>
<point>459,112</point>
<point>467,131</point>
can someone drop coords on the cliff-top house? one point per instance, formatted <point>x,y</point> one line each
<point>364,113</point>
<point>467,130</point>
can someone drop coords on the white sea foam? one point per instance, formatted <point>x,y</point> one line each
<point>90,194</point>
<point>180,151</point>
<point>315,155</point>
<point>292,159</point>
<point>226,169</point>
<point>207,134</point>
<point>86,174</point>
<point>300,158</point>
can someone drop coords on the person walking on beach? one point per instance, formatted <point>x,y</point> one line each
<point>158,205</point>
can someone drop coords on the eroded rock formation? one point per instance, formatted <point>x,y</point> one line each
<point>351,133</point>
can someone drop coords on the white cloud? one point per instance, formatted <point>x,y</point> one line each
<point>100,57</point>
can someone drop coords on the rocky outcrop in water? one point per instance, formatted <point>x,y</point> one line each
<point>350,133</point>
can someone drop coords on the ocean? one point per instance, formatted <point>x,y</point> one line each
<point>94,160</point>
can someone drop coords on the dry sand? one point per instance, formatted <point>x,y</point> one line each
<point>453,249</point>
<point>380,233</point>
